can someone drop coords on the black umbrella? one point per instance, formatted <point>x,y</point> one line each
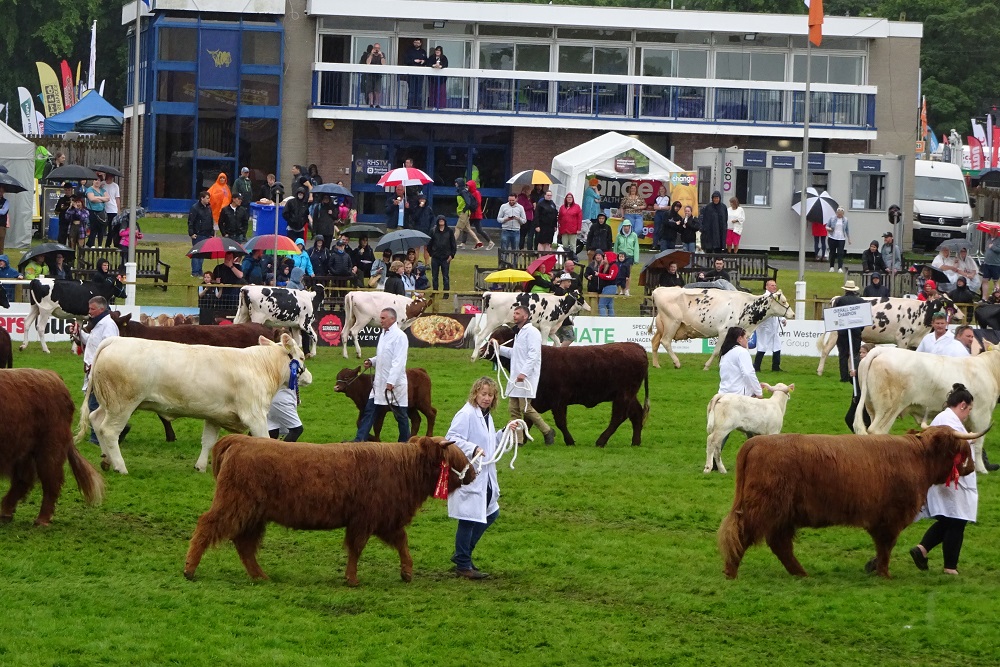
<point>106,169</point>
<point>72,172</point>
<point>10,184</point>
<point>332,189</point>
<point>44,249</point>
<point>663,261</point>
<point>355,231</point>
<point>402,240</point>
<point>937,276</point>
<point>216,247</point>
<point>955,245</point>
<point>820,207</point>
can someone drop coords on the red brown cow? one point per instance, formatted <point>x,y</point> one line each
<point>36,440</point>
<point>357,386</point>
<point>6,349</point>
<point>589,376</point>
<point>369,488</point>
<point>232,335</point>
<point>875,482</point>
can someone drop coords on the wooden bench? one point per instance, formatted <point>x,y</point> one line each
<point>147,260</point>
<point>520,259</point>
<point>748,270</point>
<point>901,284</point>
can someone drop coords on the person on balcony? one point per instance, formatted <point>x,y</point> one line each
<point>372,83</point>
<point>416,56</point>
<point>438,98</point>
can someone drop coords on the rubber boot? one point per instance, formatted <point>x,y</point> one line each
<point>757,361</point>
<point>776,362</point>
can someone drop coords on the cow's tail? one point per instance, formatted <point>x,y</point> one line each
<point>88,479</point>
<point>84,426</point>
<point>652,323</point>
<point>732,538</point>
<point>711,412</point>
<point>219,452</point>
<point>9,361</point>
<point>645,404</point>
<point>859,413</point>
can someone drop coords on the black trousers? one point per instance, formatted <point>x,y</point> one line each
<point>949,533</point>
<point>842,351</point>
<point>775,360</point>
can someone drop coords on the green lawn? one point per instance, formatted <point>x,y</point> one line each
<point>601,557</point>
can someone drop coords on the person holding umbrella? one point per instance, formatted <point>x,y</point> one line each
<point>201,226</point>
<point>35,268</point>
<point>234,220</point>
<point>62,206</point>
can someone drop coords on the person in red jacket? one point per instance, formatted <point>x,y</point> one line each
<point>570,223</point>
<point>476,218</point>
<point>607,275</point>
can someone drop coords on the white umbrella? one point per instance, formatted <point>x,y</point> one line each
<point>819,207</point>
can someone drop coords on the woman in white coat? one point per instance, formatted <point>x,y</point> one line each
<point>736,373</point>
<point>769,335</point>
<point>475,505</point>
<point>953,506</point>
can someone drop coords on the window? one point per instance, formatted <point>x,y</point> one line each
<point>176,87</point>
<point>673,37</point>
<point>820,180</point>
<point>705,185</point>
<point>260,89</point>
<point>733,66</point>
<point>178,44</point>
<point>516,31</point>
<point>745,66</point>
<point>576,59</point>
<point>753,186</point>
<point>259,144</point>
<point>849,70</point>
<point>531,57</point>
<point>261,48</point>
<point>496,56</point>
<point>592,34</point>
<point>866,191</point>
<point>174,150</point>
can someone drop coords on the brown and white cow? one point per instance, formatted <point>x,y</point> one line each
<point>681,314</point>
<point>547,312</point>
<point>879,483</point>
<point>369,488</point>
<point>904,322</point>
<point>362,308</point>
<point>36,441</point>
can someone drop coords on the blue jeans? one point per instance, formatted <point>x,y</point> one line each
<point>819,246</point>
<point>444,267</point>
<point>92,405</point>
<point>690,247</point>
<point>637,224</point>
<point>467,536</point>
<point>605,306</point>
<point>368,419</point>
<point>196,262</point>
<point>509,239</point>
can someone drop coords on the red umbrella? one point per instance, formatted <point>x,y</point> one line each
<point>405,176</point>
<point>216,248</point>
<point>991,228</point>
<point>548,262</point>
<point>273,243</point>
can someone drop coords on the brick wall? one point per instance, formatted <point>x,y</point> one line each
<point>534,148</point>
<point>331,150</point>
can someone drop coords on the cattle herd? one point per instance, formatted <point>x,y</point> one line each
<point>228,376</point>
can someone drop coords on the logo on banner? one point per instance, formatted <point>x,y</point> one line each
<point>330,329</point>
<point>221,58</point>
<point>631,162</point>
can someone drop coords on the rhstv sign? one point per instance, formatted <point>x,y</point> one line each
<point>853,316</point>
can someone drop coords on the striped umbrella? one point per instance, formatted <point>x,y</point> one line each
<point>273,243</point>
<point>405,176</point>
<point>534,177</point>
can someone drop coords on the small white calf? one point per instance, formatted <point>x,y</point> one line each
<point>753,416</point>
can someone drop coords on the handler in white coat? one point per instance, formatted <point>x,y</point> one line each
<point>955,505</point>
<point>101,327</point>
<point>525,370</point>
<point>389,385</point>
<point>475,505</point>
<point>769,336</point>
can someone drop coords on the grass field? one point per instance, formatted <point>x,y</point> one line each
<point>601,557</point>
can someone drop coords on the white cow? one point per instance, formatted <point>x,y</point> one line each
<point>892,380</point>
<point>680,314</point>
<point>283,307</point>
<point>735,412</point>
<point>901,321</point>
<point>361,308</point>
<point>230,388</point>
<point>547,312</point>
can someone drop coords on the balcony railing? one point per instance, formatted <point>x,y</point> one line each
<point>415,89</point>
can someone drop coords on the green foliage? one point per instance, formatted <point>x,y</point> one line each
<point>603,557</point>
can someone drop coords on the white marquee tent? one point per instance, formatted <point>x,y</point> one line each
<point>17,154</point>
<point>597,156</point>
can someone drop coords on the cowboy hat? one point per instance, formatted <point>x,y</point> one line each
<point>849,286</point>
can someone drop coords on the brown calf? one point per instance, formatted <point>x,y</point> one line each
<point>369,488</point>
<point>6,348</point>
<point>37,439</point>
<point>875,482</point>
<point>357,386</point>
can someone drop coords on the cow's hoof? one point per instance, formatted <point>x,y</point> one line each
<point>200,469</point>
<point>707,469</point>
<point>23,348</point>
<point>105,466</point>
<point>406,576</point>
<point>43,523</point>
<point>189,575</point>
<point>6,518</point>
<point>353,583</point>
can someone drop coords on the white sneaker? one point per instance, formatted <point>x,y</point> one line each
<point>461,246</point>
<point>840,270</point>
<point>831,269</point>
<point>627,293</point>
<point>491,245</point>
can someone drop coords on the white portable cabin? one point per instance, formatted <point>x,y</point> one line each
<point>865,186</point>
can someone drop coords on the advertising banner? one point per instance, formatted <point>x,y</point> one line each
<point>56,330</point>
<point>218,60</point>
<point>51,90</point>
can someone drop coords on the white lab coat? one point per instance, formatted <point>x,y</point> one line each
<point>283,412</point>
<point>943,345</point>
<point>736,374</point>
<point>470,429</point>
<point>769,334</point>
<point>525,357</point>
<point>390,366</point>
<point>956,503</point>
<point>106,328</point>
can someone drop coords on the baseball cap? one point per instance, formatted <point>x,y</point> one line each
<point>887,234</point>
<point>565,276</point>
<point>245,170</point>
<point>237,195</point>
<point>341,242</point>
<point>930,284</point>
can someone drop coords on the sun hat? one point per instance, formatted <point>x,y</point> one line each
<point>849,286</point>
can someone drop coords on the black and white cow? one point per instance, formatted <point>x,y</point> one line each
<point>4,302</point>
<point>988,316</point>
<point>904,322</point>
<point>681,314</point>
<point>65,299</point>
<point>547,311</point>
<point>283,307</point>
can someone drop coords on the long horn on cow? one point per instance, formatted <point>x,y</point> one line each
<point>974,436</point>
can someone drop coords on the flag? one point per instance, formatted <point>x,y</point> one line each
<point>51,92</point>
<point>92,66</point>
<point>40,121</point>
<point>28,123</point>
<point>69,96</point>
<point>995,148</point>
<point>933,141</point>
<point>923,119</point>
<point>975,154</point>
<point>815,21</point>
<point>978,132</point>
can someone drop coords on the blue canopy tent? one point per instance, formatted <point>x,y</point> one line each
<point>87,110</point>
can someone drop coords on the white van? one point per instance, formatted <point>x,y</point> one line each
<point>941,207</point>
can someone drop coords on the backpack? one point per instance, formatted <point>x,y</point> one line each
<point>470,201</point>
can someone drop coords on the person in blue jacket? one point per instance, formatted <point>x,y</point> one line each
<point>302,260</point>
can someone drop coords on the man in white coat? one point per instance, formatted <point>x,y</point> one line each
<point>940,340</point>
<point>389,386</point>
<point>525,370</point>
<point>769,336</point>
<point>101,327</point>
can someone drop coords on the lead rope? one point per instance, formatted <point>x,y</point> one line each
<point>508,442</point>
<point>503,378</point>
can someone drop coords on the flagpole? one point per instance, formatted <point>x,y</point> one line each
<point>133,168</point>
<point>800,285</point>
